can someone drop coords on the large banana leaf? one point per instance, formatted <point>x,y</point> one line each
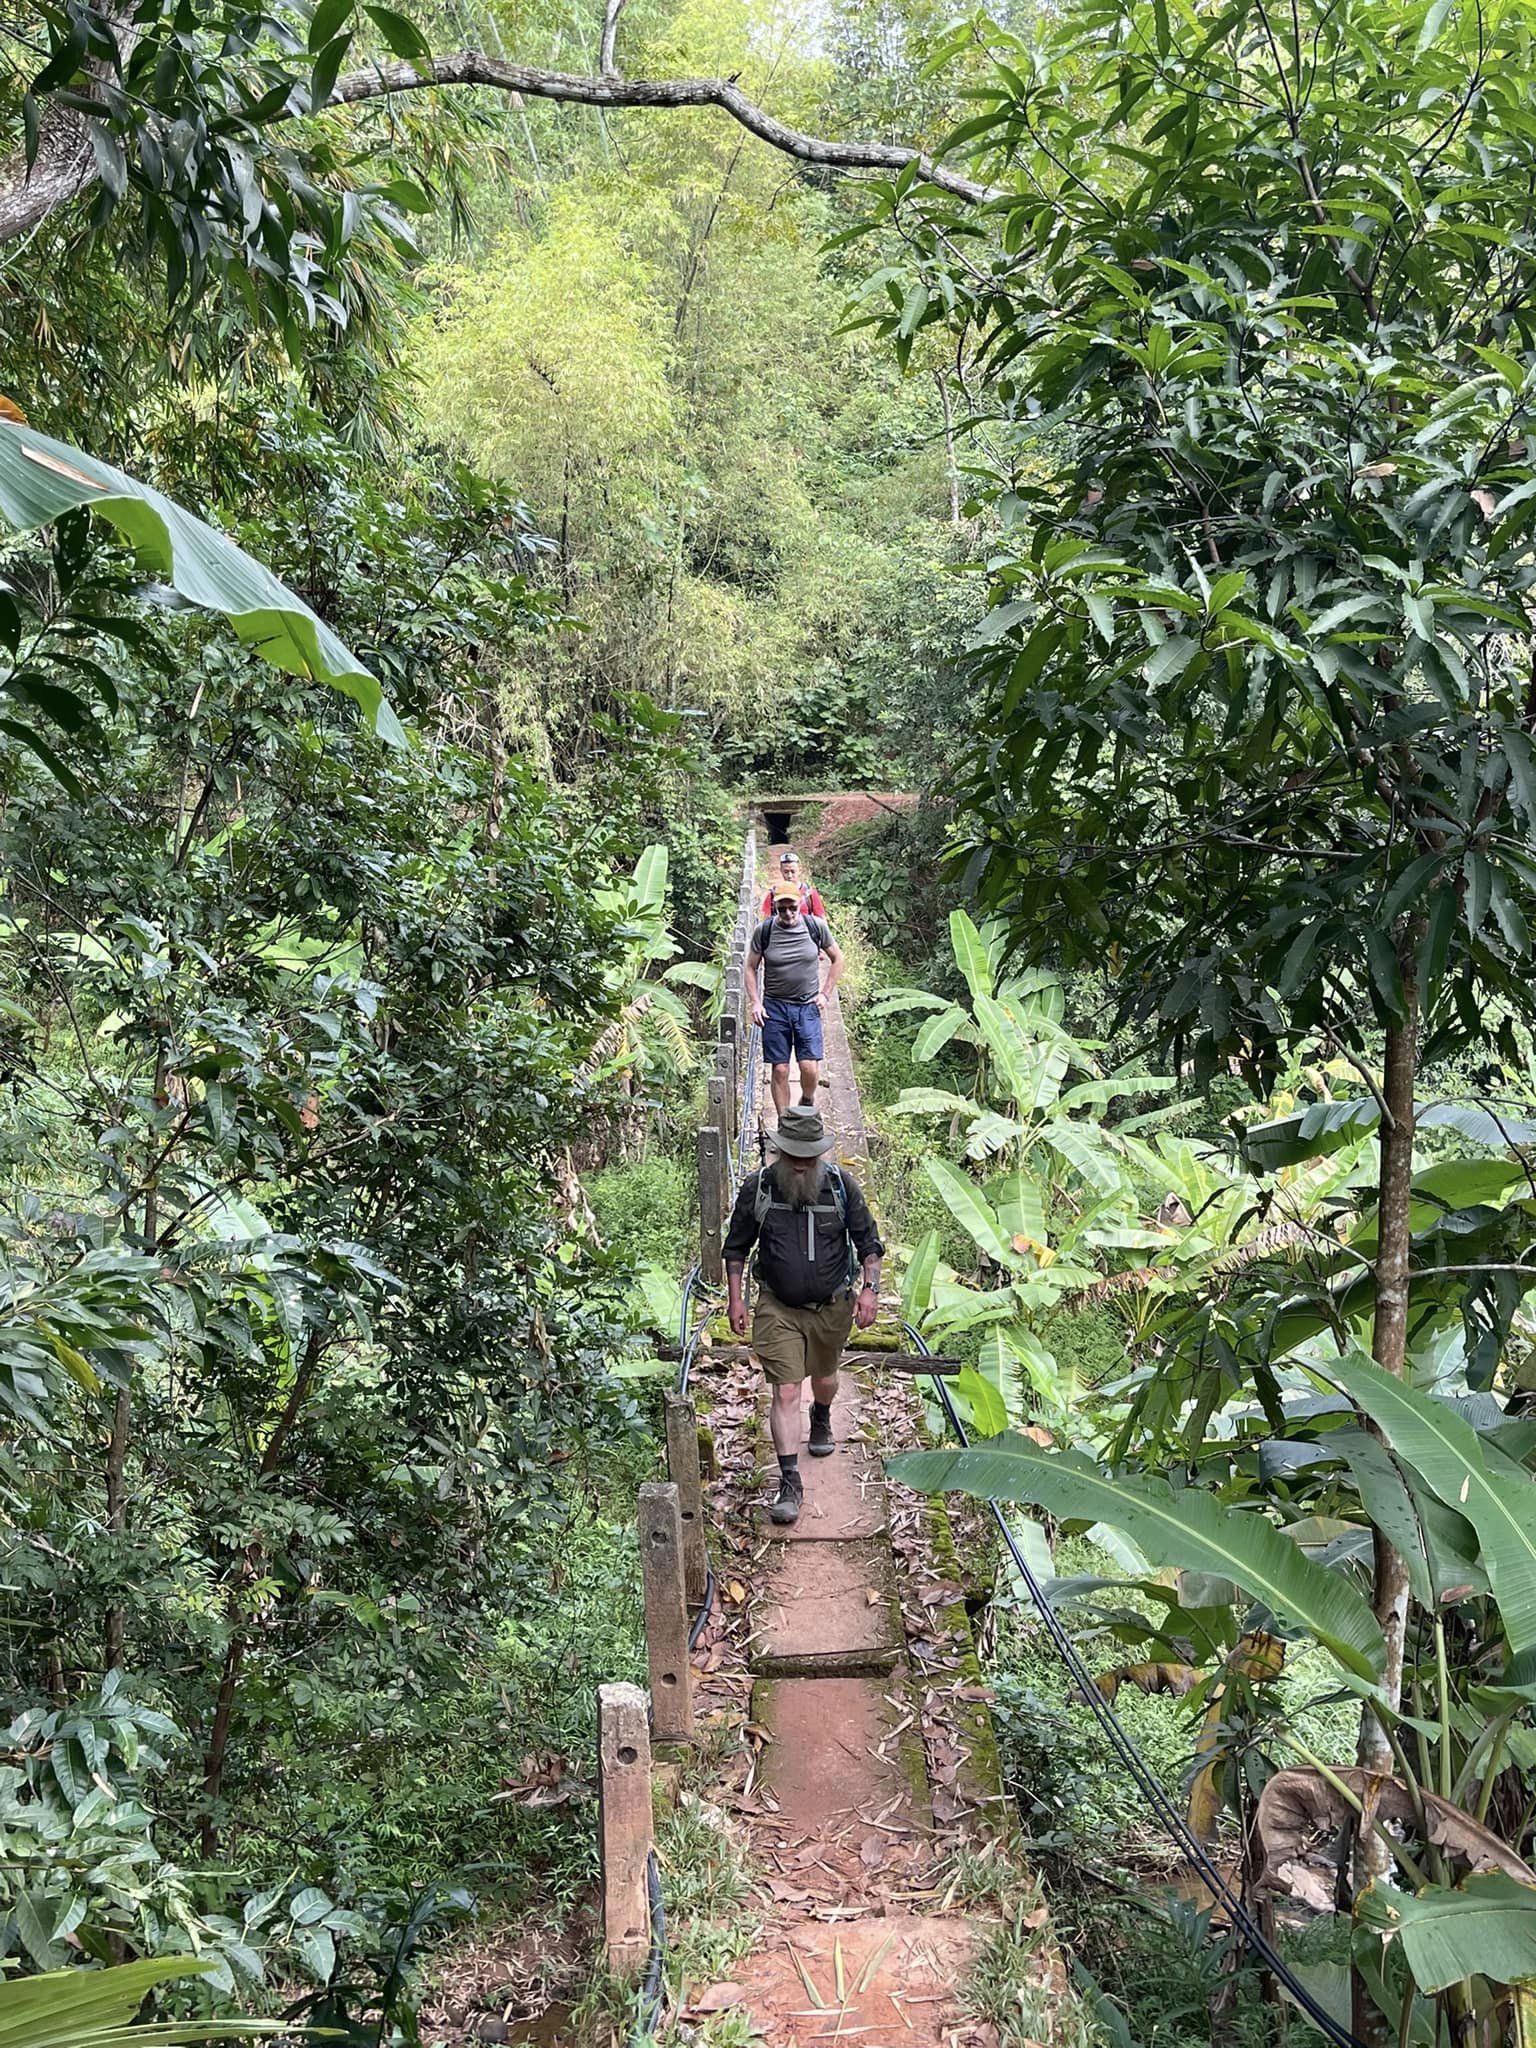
<point>938,1031</point>
<point>40,479</point>
<point>1437,1545</point>
<point>971,955</point>
<point>1020,1204</point>
<point>970,1210</point>
<point>917,1281</point>
<point>1487,1928</point>
<point>95,2009</point>
<point>1444,1452</point>
<point>1188,1529</point>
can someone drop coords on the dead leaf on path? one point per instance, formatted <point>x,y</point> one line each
<point>736,1592</point>
<point>871,1597</point>
<point>872,1852</point>
<point>717,1998</point>
<point>944,1589</point>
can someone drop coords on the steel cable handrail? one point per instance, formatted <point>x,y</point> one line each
<point>1150,1787</point>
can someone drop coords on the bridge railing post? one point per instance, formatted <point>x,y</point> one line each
<point>624,1825</point>
<point>666,1611</point>
<point>711,1205</point>
<point>683,1471</point>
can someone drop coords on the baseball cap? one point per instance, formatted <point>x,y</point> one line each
<point>785,892</point>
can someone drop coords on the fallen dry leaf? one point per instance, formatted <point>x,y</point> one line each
<point>717,1998</point>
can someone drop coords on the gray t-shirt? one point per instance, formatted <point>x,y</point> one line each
<point>791,959</point>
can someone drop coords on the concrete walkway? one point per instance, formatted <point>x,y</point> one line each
<point>873,1752</point>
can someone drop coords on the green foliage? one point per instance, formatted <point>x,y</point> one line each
<point>96,2009</point>
<point>645,1211</point>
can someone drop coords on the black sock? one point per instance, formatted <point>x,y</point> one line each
<point>821,1411</point>
<point>789,1461</point>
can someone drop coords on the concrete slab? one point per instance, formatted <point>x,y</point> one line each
<point>844,1494</point>
<point>899,1978</point>
<point>828,1611</point>
<point>843,1755</point>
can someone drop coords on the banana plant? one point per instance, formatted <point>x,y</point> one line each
<point>97,2008</point>
<point>653,1026</point>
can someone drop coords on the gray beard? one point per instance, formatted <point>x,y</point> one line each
<point>799,1181</point>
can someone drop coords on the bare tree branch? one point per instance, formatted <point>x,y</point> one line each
<point>474,67</point>
<point>607,62</point>
<point>66,165</point>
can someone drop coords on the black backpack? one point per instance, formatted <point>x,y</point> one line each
<point>765,1199</point>
<point>818,928</point>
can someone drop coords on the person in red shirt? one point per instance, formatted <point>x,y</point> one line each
<point>789,871</point>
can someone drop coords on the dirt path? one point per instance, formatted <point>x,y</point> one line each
<point>869,1756</point>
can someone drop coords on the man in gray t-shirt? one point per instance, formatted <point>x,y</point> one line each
<point>786,993</point>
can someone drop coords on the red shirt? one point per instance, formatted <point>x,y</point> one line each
<point>810,901</point>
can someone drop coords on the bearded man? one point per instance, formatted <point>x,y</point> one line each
<point>813,1231</point>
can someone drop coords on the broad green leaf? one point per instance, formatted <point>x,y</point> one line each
<point>1443,1451</point>
<point>986,1407</point>
<point>40,479</point>
<point>1188,1529</point>
<point>917,1281</point>
<point>1073,1144</point>
<point>1487,1928</point>
<point>937,1031</point>
<point>971,955</point>
<point>932,1102</point>
<point>81,2008</point>
<point>650,878</point>
<point>1019,1201</point>
<point>970,1209</point>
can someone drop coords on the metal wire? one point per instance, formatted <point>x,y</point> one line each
<point>1148,1784</point>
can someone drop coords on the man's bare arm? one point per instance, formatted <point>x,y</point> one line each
<point>833,955</point>
<point>754,1000</point>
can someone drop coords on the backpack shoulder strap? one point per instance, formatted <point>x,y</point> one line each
<point>762,1196</point>
<point>819,931</point>
<point>764,934</point>
<point>839,1193</point>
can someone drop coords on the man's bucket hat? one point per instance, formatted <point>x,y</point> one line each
<point>802,1134</point>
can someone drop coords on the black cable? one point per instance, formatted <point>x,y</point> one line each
<point>1149,1785</point>
<point>709,1600</point>
<point>649,2008</point>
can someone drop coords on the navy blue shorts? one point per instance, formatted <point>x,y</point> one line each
<point>790,1029</point>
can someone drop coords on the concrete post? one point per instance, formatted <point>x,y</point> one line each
<point>624,1824</point>
<point>683,1470</point>
<point>711,1205</point>
<point>666,1612</point>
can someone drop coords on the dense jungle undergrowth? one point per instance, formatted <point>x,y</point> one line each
<point>433,493</point>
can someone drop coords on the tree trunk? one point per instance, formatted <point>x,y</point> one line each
<point>951,467</point>
<point>1389,1338</point>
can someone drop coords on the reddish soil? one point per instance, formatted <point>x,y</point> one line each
<point>839,812</point>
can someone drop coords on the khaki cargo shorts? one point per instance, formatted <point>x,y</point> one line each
<point>792,1343</point>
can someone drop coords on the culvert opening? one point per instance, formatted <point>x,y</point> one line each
<point>778,827</point>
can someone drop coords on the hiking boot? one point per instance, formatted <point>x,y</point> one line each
<point>821,1444</point>
<point>786,1508</point>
